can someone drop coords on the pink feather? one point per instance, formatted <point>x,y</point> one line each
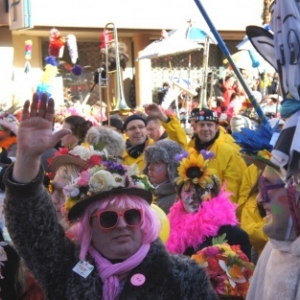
<point>190,230</point>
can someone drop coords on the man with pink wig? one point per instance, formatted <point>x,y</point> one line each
<point>116,252</point>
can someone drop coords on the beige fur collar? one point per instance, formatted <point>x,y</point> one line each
<point>287,246</point>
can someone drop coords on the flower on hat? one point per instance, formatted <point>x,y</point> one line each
<point>87,152</point>
<point>194,168</point>
<point>107,176</point>
<point>101,181</point>
<point>84,152</point>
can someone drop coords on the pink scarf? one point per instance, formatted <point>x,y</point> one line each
<point>190,230</point>
<point>110,273</point>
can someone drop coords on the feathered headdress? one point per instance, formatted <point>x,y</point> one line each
<point>256,145</point>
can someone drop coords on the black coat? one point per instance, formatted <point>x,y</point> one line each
<point>234,236</point>
<point>33,227</point>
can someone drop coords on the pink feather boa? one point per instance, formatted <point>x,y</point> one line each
<point>190,230</point>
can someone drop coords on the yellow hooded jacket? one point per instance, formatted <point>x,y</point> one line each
<point>248,213</point>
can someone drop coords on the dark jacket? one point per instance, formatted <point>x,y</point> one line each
<point>33,227</point>
<point>234,236</point>
<point>165,196</point>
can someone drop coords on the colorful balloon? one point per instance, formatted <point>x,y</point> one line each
<point>165,224</point>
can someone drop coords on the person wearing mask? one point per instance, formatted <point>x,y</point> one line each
<point>203,210</point>
<point>255,144</point>
<point>116,253</point>
<point>277,272</point>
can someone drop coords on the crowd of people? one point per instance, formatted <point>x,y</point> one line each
<point>78,218</point>
<point>139,207</point>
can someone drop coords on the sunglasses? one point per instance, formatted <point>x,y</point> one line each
<point>265,187</point>
<point>108,219</point>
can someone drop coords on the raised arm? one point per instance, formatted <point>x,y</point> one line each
<point>35,137</point>
<point>30,215</point>
<point>170,123</point>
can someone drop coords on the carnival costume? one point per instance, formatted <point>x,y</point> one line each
<point>277,274</point>
<point>51,255</point>
<point>216,215</point>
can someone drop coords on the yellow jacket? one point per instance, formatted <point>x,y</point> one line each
<point>247,211</point>
<point>228,162</point>
<point>129,160</point>
<point>227,138</point>
<point>175,132</point>
<point>229,167</point>
<point>224,137</point>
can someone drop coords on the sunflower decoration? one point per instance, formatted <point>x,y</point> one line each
<point>194,169</point>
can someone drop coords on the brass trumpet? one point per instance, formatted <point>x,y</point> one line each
<point>113,72</point>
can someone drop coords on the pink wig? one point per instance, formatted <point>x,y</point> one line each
<point>150,225</point>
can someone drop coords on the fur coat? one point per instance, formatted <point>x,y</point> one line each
<point>277,273</point>
<point>34,229</point>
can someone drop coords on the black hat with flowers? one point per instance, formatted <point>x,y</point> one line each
<point>97,183</point>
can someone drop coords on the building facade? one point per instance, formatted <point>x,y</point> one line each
<point>138,24</point>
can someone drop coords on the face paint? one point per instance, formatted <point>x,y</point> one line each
<point>276,209</point>
<point>191,198</point>
<point>273,196</point>
<point>271,171</point>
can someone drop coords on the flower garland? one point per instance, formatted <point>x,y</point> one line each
<point>227,266</point>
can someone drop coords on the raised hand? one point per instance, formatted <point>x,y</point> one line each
<point>155,110</point>
<point>35,137</point>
